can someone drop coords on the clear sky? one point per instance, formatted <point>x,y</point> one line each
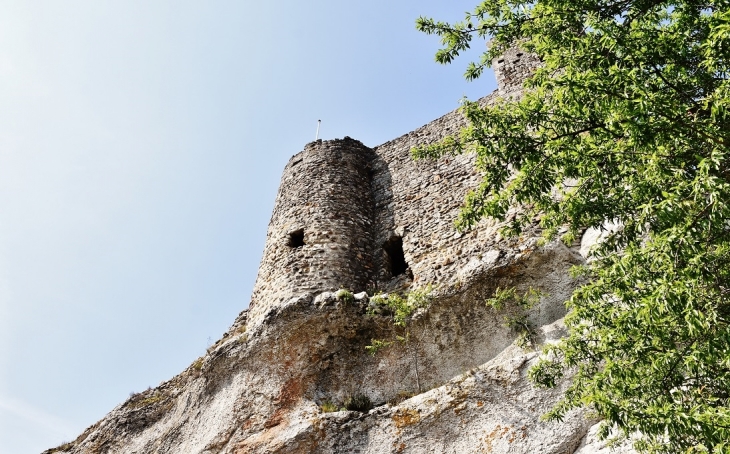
<point>141,145</point>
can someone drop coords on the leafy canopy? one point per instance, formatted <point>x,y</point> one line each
<point>626,123</point>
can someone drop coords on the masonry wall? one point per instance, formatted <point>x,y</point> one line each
<point>320,234</point>
<point>419,201</point>
<point>511,70</point>
<point>359,210</point>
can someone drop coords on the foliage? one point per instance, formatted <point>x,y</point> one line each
<point>402,309</point>
<point>503,297</point>
<point>153,399</point>
<point>345,295</point>
<point>328,407</point>
<point>523,303</point>
<point>376,345</point>
<point>359,402</point>
<point>146,398</point>
<point>626,122</point>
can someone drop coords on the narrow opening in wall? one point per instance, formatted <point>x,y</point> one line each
<point>396,258</point>
<point>296,238</point>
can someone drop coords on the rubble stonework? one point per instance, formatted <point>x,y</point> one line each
<point>511,69</point>
<point>351,201</point>
<point>371,219</point>
<point>325,195</point>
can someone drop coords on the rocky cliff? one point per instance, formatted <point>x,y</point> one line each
<point>366,220</point>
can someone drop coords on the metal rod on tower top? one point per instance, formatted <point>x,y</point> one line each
<point>318,123</point>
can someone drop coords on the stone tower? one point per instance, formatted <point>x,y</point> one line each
<point>335,223</point>
<point>512,68</point>
<point>319,237</point>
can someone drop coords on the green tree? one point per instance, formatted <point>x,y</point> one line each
<point>626,122</point>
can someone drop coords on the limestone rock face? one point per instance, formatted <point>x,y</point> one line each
<point>260,389</point>
<point>592,445</point>
<point>366,220</point>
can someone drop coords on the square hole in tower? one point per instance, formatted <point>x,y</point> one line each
<point>396,258</point>
<point>296,238</point>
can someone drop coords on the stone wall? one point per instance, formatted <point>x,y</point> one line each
<point>361,211</point>
<point>375,219</point>
<point>419,201</point>
<point>320,234</point>
<point>511,70</point>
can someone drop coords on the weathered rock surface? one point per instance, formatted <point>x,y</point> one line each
<point>259,390</point>
<point>351,217</point>
<point>592,445</point>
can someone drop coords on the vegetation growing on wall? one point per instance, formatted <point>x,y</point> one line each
<point>401,309</point>
<point>518,321</point>
<point>626,122</point>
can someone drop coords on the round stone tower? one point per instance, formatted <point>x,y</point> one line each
<point>320,234</point>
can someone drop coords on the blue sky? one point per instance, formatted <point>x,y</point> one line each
<point>141,145</point>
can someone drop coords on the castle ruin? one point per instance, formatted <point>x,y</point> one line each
<point>352,217</point>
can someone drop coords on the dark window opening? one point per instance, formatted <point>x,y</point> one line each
<point>296,238</point>
<point>396,259</point>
